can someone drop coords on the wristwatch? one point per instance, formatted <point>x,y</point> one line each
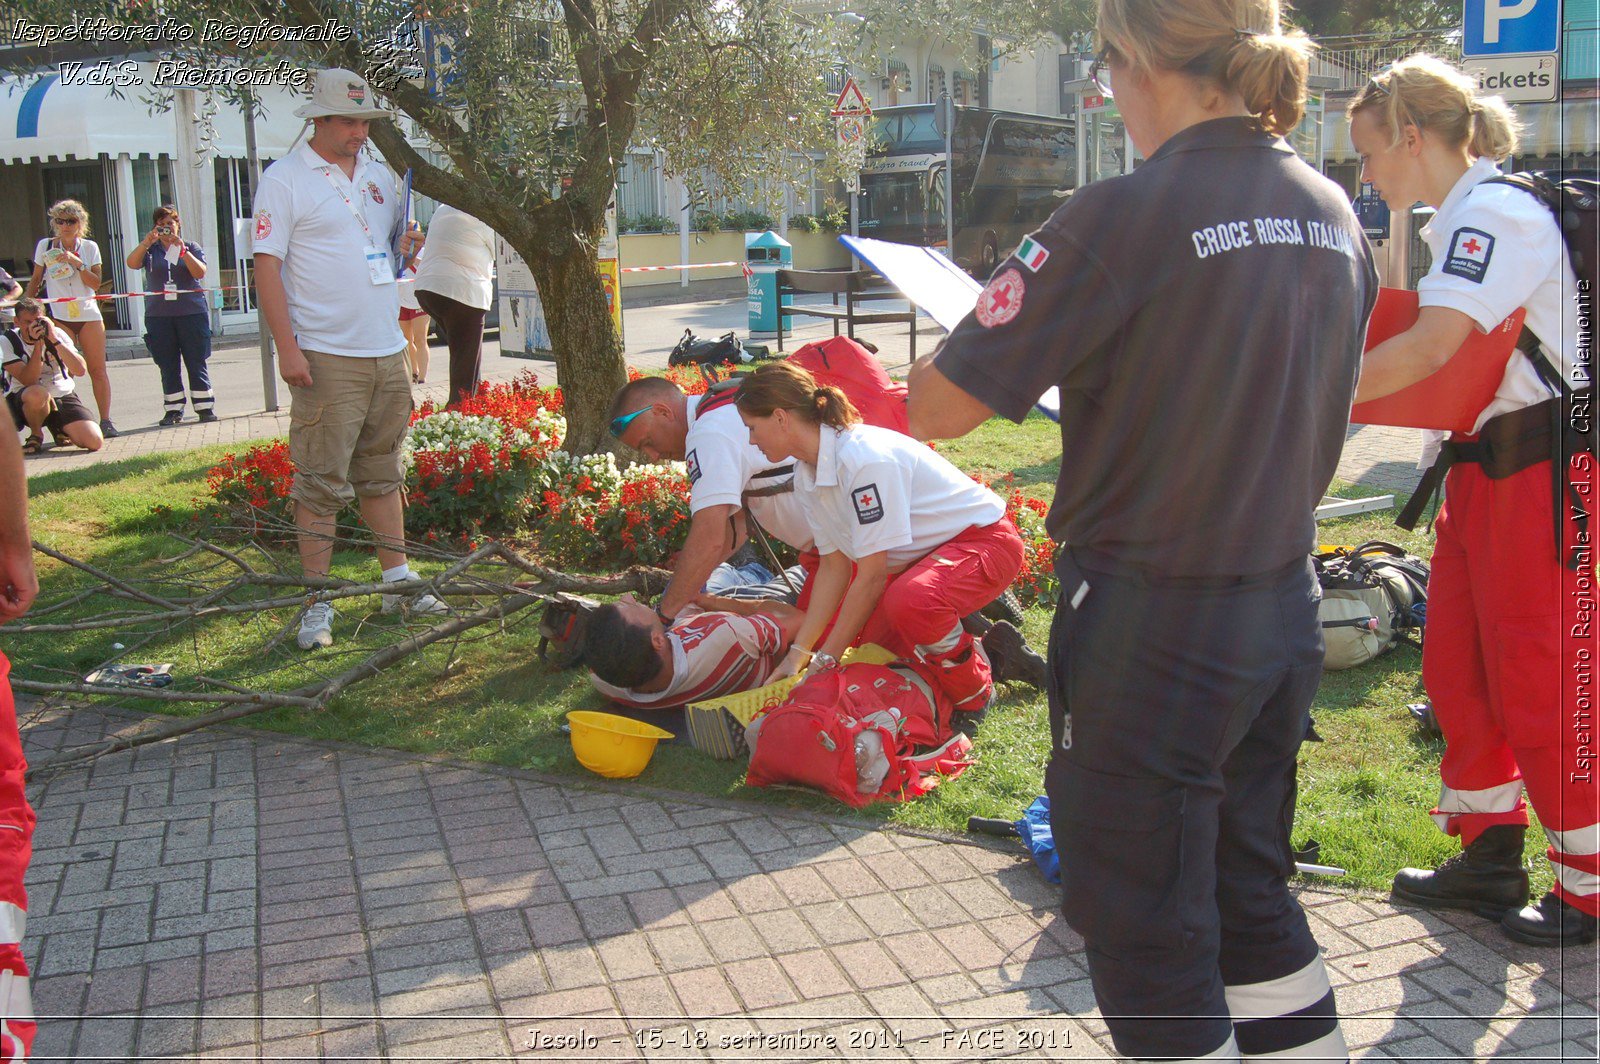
<point>663,617</point>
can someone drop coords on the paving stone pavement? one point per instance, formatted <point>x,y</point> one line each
<point>245,896</point>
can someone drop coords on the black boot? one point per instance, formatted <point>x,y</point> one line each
<point>1552,922</point>
<point>1486,877</point>
<point>1011,658</point>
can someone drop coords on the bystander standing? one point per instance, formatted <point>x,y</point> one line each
<point>327,222</point>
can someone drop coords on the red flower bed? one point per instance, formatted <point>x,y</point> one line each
<point>250,491</point>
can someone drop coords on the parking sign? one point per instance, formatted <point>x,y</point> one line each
<point>1511,27</point>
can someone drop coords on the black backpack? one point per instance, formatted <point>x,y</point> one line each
<point>1574,201</point>
<point>725,350</point>
<point>1373,596</point>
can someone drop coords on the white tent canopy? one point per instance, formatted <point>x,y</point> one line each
<point>44,118</point>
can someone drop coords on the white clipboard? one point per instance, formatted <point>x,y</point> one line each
<point>936,286</point>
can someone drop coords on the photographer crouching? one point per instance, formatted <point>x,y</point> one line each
<point>37,364</point>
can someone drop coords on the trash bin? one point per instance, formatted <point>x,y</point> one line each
<point>766,253</point>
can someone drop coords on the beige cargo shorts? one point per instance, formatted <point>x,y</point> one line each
<point>345,431</point>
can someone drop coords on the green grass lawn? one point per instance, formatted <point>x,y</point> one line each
<point>1364,791</point>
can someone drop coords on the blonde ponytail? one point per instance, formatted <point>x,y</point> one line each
<point>786,386</point>
<point>1268,70</point>
<point>1494,129</point>
<point>1240,43</point>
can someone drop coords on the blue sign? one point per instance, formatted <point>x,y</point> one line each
<point>1511,27</point>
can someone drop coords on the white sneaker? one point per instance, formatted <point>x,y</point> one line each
<point>411,605</point>
<point>316,626</point>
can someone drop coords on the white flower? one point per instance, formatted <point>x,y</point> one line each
<point>449,429</point>
<point>644,470</point>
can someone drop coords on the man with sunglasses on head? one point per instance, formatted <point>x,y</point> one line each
<point>726,474</point>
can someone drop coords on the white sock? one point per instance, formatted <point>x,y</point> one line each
<point>399,572</point>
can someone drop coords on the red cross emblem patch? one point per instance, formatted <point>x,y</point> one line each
<point>1470,250</point>
<point>263,225</point>
<point>1001,299</point>
<point>377,195</point>
<point>868,503</point>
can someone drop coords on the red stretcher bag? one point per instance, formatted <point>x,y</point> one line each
<point>1452,398</point>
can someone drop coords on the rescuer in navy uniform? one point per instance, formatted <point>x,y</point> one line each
<point>1203,317</point>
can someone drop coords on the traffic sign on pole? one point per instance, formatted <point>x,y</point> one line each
<point>1513,48</point>
<point>851,101</point>
<point>1511,27</point>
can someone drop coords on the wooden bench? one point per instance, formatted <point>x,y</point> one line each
<point>857,286</point>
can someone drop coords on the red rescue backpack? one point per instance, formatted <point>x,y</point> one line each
<point>838,730</point>
<point>845,364</point>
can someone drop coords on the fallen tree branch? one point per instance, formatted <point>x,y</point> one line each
<point>154,600</point>
<point>264,699</point>
<point>210,591</point>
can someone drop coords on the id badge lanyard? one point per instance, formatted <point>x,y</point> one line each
<point>379,269</point>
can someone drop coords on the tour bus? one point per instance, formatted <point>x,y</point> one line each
<point>1011,171</point>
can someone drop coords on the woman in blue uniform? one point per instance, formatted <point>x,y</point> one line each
<point>1203,318</point>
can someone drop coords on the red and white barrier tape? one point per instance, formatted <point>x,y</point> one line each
<point>687,266</point>
<point>403,280</point>
<point>140,295</point>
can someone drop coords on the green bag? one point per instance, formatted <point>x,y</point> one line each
<point>1373,596</point>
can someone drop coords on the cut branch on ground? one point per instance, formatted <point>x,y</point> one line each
<point>496,581</point>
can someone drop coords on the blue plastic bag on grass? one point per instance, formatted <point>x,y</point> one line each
<point>1034,827</point>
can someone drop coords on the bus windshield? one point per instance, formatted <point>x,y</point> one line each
<point>1009,173</point>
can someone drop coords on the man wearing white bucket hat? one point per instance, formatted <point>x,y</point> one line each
<point>327,222</point>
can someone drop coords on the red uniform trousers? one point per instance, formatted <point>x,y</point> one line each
<point>1509,661</point>
<point>16,848</point>
<point>920,613</point>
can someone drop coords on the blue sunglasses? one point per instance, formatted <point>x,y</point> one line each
<point>619,425</point>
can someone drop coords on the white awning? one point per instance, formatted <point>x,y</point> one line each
<point>1567,127</point>
<point>43,118</point>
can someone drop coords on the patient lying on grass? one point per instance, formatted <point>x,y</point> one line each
<point>716,647</point>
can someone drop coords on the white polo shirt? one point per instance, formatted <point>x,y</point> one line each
<point>1495,249</point>
<point>62,279</point>
<point>723,464</point>
<point>333,305</point>
<point>874,489</point>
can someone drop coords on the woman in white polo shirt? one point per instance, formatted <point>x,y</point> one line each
<point>927,543</point>
<point>1508,650</point>
<point>67,266</point>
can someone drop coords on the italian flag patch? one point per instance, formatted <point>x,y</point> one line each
<point>1031,254</point>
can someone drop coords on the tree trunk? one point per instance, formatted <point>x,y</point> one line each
<point>589,366</point>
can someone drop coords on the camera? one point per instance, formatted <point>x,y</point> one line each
<point>163,230</point>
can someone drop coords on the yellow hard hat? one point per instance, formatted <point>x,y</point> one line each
<point>615,747</point>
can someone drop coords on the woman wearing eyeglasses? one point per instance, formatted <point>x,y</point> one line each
<point>1509,642</point>
<point>67,265</point>
<point>1203,319</point>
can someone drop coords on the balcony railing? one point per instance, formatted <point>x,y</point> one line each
<point>1352,60</point>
